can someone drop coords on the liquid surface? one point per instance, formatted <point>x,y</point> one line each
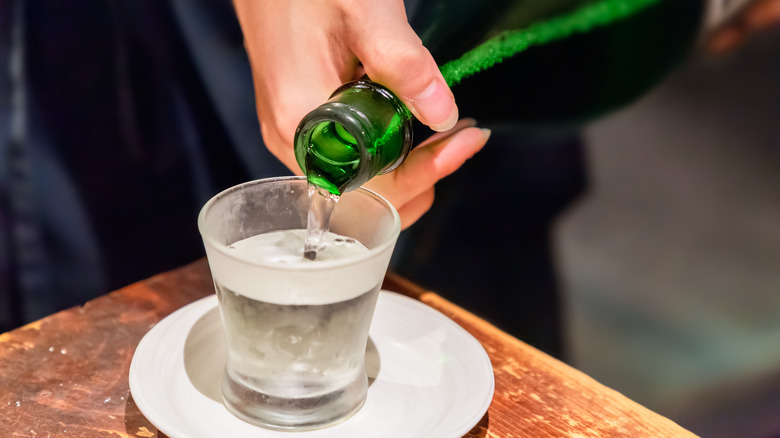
<point>287,246</point>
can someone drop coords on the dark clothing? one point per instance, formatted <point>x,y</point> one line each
<point>124,127</point>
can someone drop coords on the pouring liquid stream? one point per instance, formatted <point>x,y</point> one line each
<point>321,204</point>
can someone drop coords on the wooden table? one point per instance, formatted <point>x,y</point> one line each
<point>66,375</point>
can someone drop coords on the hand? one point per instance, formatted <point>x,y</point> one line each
<point>302,50</point>
<point>757,16</point>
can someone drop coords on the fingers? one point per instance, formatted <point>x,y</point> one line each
<point>415,208</point>
<point>408,186</point>
<point>393,55</point>
<point>297,60</point>
<point>439,156</point>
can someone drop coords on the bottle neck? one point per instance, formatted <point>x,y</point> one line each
<point>363,130</point>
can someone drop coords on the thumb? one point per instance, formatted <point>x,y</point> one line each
<point>393,55</point>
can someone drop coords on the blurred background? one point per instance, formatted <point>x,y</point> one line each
<point>671,261</point>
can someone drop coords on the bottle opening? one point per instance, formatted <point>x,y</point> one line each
<point>332,157</point>
<point>343,135</point>
<point>331,142</point>
<point>361,132</point>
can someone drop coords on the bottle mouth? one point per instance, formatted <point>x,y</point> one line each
<point>330,150</point>
<point>338,146</point>
<point>333,144</point>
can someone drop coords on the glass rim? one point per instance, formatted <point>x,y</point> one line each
<point>384,245</point>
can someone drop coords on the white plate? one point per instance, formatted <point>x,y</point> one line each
<point>429,377</point>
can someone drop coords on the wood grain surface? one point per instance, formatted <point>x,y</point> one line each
<point>67,374</point>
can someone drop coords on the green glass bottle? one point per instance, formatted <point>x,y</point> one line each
<point>568,81</point>
<point>363,130</point>
<point>542,65</point>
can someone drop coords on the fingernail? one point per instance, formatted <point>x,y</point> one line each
<point>449,123</point>
<point>486,132</point>
<point>469,122</point>
<point>435,107</point>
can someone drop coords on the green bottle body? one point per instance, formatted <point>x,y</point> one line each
<point>563,84</point>
<point>363,130</point>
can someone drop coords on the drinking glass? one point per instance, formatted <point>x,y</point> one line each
<point>296,332</point>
